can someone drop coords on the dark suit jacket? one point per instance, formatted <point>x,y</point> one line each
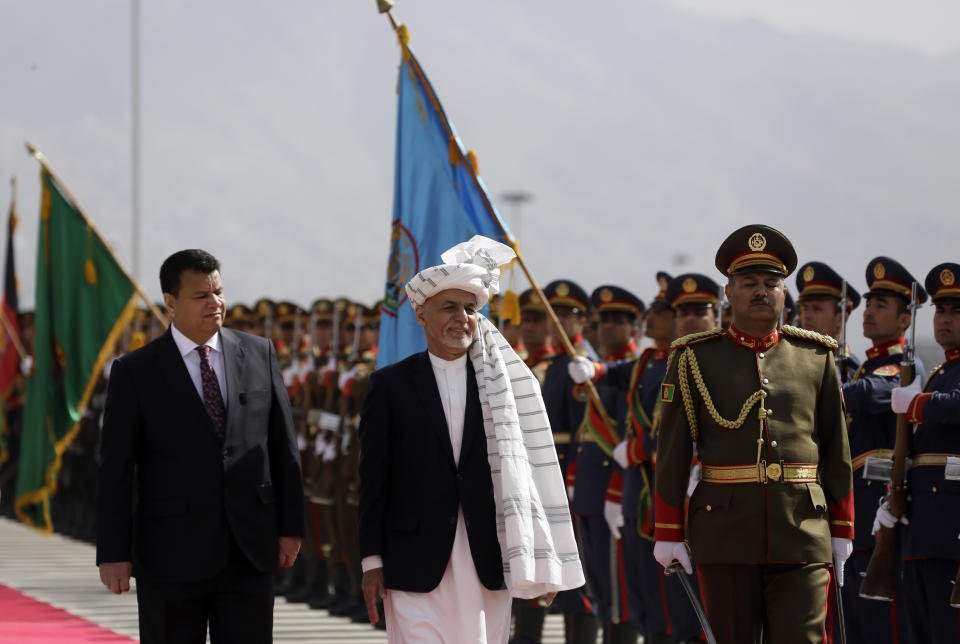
<point>410,486</point>
<point>193,491</point>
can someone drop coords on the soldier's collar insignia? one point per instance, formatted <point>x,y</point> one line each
<point>953,354</point>
<point>757,242</point>
<point>946,277</point>
<point>889,348</point>
<point>879,271</point>
<point>750,342</point>
<point>808,273</point>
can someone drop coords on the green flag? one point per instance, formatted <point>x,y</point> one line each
<point>83,300</point>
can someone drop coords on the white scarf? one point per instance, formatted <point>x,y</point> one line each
<point>533,519</point>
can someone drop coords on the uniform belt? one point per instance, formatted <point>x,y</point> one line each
<point>874,453</point>
<point>760,473</point>
<point>584,437</point>
<point>931,459</point>
<point>561,438</point>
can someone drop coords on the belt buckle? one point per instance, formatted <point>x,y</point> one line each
<point>951,471</point>
<point>774,471</point>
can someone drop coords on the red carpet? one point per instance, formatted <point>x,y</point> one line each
<point>24,620</point>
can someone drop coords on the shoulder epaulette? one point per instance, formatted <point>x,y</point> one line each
<point>695,338</point>
<point>812,336</point>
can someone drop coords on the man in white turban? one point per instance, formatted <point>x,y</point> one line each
<point>461,500</point>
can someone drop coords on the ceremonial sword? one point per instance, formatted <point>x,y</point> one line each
<point>676,570</point>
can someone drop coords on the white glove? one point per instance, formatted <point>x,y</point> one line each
<point>289,376</point>
<point>885,518</point>
<point>613,513</point>
<point>346,376</point>
<point>694,479</point>
<point>620,454</point>
<point>901,397</point>
<point>666,552</point>
<point>581,370</point>
<point>26,365</point>
<point>570,493</point>
<point>841,552</point>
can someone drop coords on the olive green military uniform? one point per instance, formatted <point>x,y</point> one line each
<point>766,416</point>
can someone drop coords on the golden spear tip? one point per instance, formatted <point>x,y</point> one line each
<point>383,6</point>
<point>35,152</point>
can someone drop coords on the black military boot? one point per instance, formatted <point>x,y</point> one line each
<point>623,633</point>
<point>580,628</point>
<point>320,589</point>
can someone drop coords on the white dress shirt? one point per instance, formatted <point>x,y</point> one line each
<point>191,358</point>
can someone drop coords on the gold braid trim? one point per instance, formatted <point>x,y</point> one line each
<point>688,361</point>
<point>695,337</point>
<point>813,336</point>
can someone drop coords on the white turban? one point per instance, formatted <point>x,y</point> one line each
<point>471,266</point>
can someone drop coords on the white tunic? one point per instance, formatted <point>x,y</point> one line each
<point>460,610</point>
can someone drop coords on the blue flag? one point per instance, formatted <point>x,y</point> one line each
<point>438,202</point>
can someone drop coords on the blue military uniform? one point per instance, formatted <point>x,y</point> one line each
<point>931,549</point>
<point>666,611</point>
<point>565,409</point>
<point>594,468</point>
<point>871,431</point>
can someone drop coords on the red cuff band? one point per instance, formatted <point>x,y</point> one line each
<point>915,410</point>
<point>841,517</point>
<point>669,521</point>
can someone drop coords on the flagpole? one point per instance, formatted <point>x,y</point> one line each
<point>39,156</point>
<point>7,327</point>
<point>386,6</point>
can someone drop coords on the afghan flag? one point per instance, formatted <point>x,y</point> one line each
<point>84,298</point>
<point>9,358</point>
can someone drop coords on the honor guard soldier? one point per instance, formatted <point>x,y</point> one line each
<point>535,334</point>
<point>619,311</point>
<point>263,318</point>
<point>659,615</point>
<point>931,551</point>
<point>821,290</point>
<point>240,317</point>
<point>774,505</point>
<point>871,428</point>
<point>695,300</point>
<point>565,409</point>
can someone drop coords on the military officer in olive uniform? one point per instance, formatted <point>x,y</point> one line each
<point>821,310</point>
<point>774,505</point>
<point>931,550</point>
<point>872,428</point>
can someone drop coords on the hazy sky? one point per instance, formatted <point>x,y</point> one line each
<point>645,130</point>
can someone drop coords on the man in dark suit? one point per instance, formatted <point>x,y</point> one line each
<point>198,422</point>
<point>427,512</point>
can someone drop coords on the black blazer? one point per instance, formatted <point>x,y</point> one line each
<point>410,486</point>
<point>193,491</point>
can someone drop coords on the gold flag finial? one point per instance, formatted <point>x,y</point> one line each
<point>386,6</point>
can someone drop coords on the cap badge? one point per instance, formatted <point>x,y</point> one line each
<point>562,289</point>
<point>879,271</point>
<point>808,273</point>
<point>663,283</point>
<point>689,285</point>
<point>606,295</point>
<point>946,277</point>
<point>757,242</point>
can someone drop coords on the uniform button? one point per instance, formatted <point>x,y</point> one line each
<point>934,489</point>
<point>709,508</point>
<point>606,463</point>
<point>579,449</point>
<point>766,381</point>
<point>868,482</point>
<point>760,354</point>
<point>773,443</point>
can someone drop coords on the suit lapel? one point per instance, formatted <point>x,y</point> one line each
<point>234,358</point>
<point>426,384</point>
<point>174,371</point>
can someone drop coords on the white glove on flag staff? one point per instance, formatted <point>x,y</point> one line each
<point>901,397</point>
<point>620,454</point>
<point>581,370</point>
<point>884,518</point>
